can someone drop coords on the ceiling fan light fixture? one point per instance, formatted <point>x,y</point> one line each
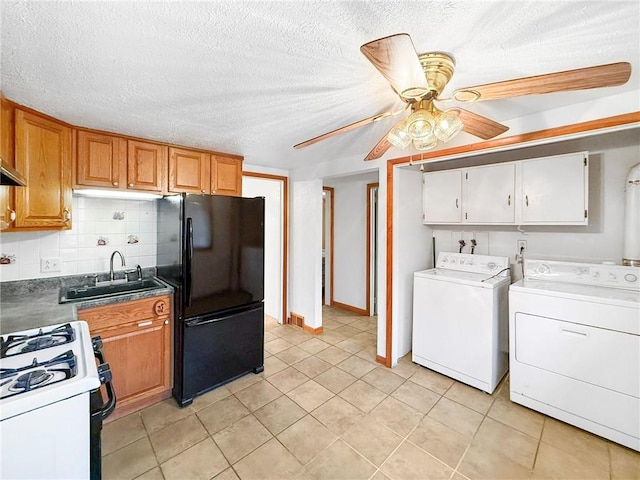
<point>447,126</point>
<point>398,136</point>
<point>420,124</point>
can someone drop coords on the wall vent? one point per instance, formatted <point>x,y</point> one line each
<point>296,319</point>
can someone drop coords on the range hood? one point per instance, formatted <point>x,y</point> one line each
<point>10,177</point>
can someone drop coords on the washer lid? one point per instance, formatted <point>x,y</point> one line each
<point>606,295</point>
<point>480,280</point>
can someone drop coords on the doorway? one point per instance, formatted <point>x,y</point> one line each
<point>275,191</point>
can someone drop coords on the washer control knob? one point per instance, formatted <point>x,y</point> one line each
<point>491,265</point>
<point>630,277</point>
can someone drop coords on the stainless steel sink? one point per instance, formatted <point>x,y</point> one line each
<point>74,294</point>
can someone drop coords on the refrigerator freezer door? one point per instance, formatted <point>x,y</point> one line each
<point>218,349</point>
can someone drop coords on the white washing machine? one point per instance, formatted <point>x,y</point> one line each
<point>574,333</point>
<point>460,318</point>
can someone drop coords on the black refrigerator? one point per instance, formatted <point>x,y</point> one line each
<point>211,250</point>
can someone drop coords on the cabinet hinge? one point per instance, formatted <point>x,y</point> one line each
<point>585,161</point>
<point>585,214</point>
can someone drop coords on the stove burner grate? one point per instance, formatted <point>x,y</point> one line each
<point>14,381</point>
<point>18,344</point>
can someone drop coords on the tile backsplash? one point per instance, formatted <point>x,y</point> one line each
<point>100,226</point>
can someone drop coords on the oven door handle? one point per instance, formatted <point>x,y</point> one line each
<point>104,374</point>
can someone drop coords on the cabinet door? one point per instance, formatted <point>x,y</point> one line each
<point>146,166</point>
<point>138,354</point>
<point>43,156</point>
<point>226,175</point>
<point>7,153</point>
<point>189,171</point>
<point>441,197</point>
<point>101,160</point>
<point>555,190</point>
<point>489,194</point>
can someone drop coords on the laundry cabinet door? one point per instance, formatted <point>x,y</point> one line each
<point>442,197</point>
<point>490,194</point>
<point>555,190</point>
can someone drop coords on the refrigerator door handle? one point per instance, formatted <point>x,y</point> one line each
<point>188,278</point>
<point>204,321</point>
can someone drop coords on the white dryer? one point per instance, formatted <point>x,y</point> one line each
<point>575,345</point>
<point>460,318</point>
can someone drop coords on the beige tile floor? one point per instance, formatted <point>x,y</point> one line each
<point>323,409</point>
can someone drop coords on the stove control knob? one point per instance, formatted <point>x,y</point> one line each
<point>596,274</point>
<point>630,277</point>
<point>462,261</point>
<point>491,266</point>
<point>543,268</point>
<point>445,260</point>
<point>612,276</point>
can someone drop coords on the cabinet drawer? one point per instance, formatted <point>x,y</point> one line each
<point>107,316</point>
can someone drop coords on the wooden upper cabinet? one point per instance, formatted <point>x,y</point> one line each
<point>7,153</point>
<point>146,166</point>
<point>43,156</point>
<point>189,171</point>
<point>226,175</point>
<point>101,160</point>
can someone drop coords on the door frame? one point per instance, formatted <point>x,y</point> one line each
<point>330,196</point>
<point>285,233</point>
<point>370,262</point>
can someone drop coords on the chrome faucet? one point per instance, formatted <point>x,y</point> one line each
<point>111,263</point>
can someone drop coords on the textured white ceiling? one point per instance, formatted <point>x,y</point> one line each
<point>254,78</point>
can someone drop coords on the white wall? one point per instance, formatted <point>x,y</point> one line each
<point>350,239</point>
<point>78,248</point>
<point>271,189</point>
<point>610,158</point>
<point>305,251</point>
<point>411,252</point>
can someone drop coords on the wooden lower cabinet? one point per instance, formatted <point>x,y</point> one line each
<point>136,339</point>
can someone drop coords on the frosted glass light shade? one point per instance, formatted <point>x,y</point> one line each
<point>425,143</point>
<point>447,126</point>
<point>398,136</point>
<point>420,124</point>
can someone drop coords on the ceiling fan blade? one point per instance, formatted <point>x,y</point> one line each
<point>478,125</point>
<point>380,149</point>
<point>351,126</point>
<point>396,59</point>
<point>580,79</point>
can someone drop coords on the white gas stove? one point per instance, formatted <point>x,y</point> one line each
<point>49,382</point>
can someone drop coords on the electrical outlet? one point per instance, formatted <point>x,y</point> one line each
<point>51,264</point>
<point>522,246</point>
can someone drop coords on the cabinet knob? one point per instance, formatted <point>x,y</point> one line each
<point>166,322</point>
<point>12,215</point>
<point>203,191</point>
<point>115,184</point>
<point>67,215</point>
<point>213,191</point>
<point>159,307</point>
<point>131,185</point>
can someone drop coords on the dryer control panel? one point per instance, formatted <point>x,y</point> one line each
<point>603,275</point>
<point>465,262</point>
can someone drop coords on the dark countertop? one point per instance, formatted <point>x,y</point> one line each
<point>34,303</point>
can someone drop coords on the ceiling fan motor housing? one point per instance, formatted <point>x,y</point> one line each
<point>438,68</point>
